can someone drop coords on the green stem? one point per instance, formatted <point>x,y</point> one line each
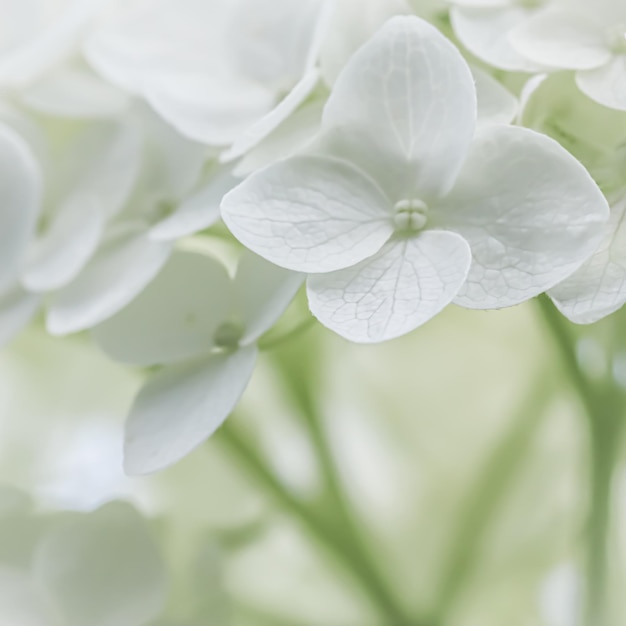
<point>603,408</point>
<point>485,497</point>
<point>272,342</point>
<point>325,534</point>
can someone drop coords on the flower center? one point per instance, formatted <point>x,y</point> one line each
<point>410,215</point>
<point>617,39</point>
<point>228,335</point>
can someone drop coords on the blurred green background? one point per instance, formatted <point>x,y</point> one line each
<point>440,480</point>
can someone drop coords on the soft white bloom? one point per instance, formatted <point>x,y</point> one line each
<point>404,211</point>
<point>589,37</point>
<point>124,191</point>
<point>484,27</point>
<point>202,326</point>
<point>225,73</point>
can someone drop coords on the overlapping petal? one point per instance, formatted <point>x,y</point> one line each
<point>182,405</point>
<point>310,214</point>
<point>404,109</point>
<point>408,282</point>
<point>598,288</point>
<point>563,38</point>
<point>485,32</point>
<point>123,266</point>
<point>261,292</point>
<point>606,84</point>
<point>175,317</point>
<point>530,211</point>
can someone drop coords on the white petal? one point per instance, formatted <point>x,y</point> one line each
<point>404,109</point>
<point>57,257</point>
<point>120,270</point>
<point>199,211</point>
<point>102,166</point>
<point>262,292</point>
<point>75,93</point>
<point>214,110</point>
<point>20,196</point>
<point>32,57</point>
<point>560,38</point>
<point>496,104</point>
<point>530,211</point>
<point>294,135</point>
<point>352,24</point>
<point>21,602</point>
<point>485,32</point>
<point>606,84</point>
<point>103,568</point>
<point>17,307</point>
<point>181,406</point>
<point>269,122</point>
<point>407,283</point>
<point>598,288</point>
<point>309,214</point>
<point>172,164</point>
<point>175,317</point>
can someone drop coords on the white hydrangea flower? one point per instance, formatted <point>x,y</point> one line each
<point>202,326</point>
<point>589,37</point>
<point>224,73</point>
<point>114,229</point>
<point>404,211</point>
<point>484,27</point>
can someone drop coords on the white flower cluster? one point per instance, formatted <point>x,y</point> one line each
<point>345,143</point>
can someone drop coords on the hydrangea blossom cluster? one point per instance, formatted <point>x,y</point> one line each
<point>365,148</point>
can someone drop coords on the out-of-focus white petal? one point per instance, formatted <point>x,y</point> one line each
<point>262,292</point>
<point>200,210</point>
<point>56,257</point>
<point>404,109</point>
<point>598,288</point>
<point>20,197</point>
<point>103,568</point>
<point>408,282</point>
<point>100,168</point>
<point>269,122</point>
<point>310,214</point>
<point>530,211</point>
<point>17,307</point>
<point>606,84</point>
<point>215,111</point>
<point>74,93</point>
<point>295,134</point>
<point>41,48</point>
<point>171,164</point>
<point>182,405</point>
<point>175,317</point>
<point>557,37</point>
<point>485,32</point>
<point>352,24</point>
<point>496,104</point>
<point>120,270</point>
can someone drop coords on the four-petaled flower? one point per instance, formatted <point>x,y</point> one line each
<point>403,209</point>
<point>202,327</point>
